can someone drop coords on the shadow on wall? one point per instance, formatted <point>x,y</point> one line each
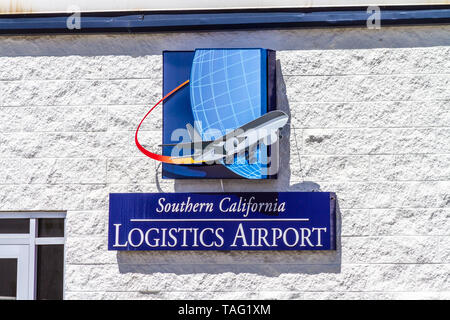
<point>268,263</point>
<point>285,39</point>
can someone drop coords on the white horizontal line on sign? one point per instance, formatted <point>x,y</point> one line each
<point>189,220</point>
<point>64,6</point>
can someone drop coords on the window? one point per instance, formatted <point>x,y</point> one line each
<point>32,255</point>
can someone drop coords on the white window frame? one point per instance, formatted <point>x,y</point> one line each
<point>20,253</point>
<point>33,241</point>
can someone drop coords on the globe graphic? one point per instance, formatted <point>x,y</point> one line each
<point>225,91</point>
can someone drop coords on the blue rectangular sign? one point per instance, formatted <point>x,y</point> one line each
<point>222,221</point>
<point>230,108</point>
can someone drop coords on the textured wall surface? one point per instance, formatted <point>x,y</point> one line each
<point>370,120</point>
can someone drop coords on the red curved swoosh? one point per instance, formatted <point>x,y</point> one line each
<point>159,157</point>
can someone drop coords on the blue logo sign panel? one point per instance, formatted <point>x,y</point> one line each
<point>227,89</point>
<point>222,221</point>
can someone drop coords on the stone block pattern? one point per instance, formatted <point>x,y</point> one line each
<point>370,120</point>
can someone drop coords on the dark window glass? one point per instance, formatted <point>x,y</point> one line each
<point>8,279</point>
<point>51,228</point>
<point>14,226</point>
<point>50,267</point>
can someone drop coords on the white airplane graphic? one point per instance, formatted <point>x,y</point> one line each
<point>242,140</point>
